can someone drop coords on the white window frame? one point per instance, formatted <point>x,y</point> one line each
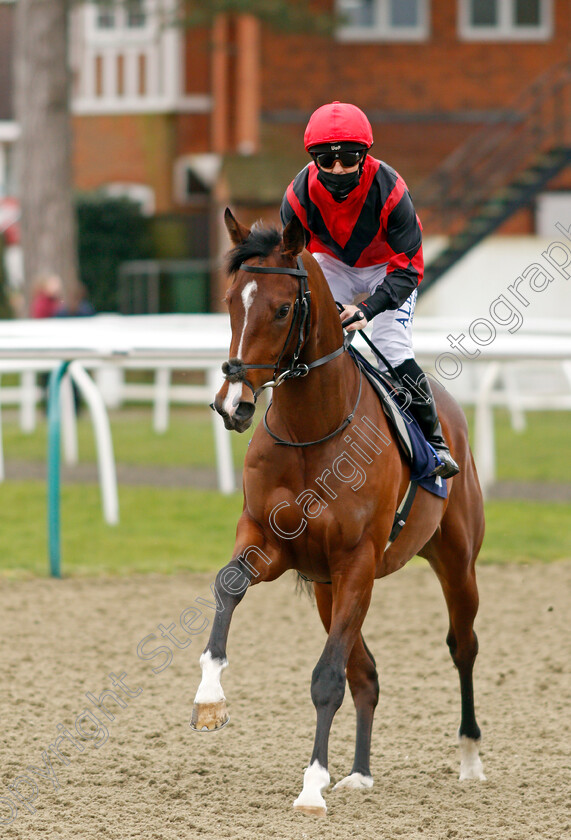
<point>141,194</point>
<point>121,33</point>
<point>205,167</point>
<point>506,30</point>
<point>161,48</point>
<point>382,30</point>
<point>9,133</point>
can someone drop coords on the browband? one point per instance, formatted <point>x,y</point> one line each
<point>268,269</point>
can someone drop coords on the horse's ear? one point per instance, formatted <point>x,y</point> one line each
<point>294,237</point>
<point>237,232</point>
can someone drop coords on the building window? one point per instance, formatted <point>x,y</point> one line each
<point>383,20</point>
<point>195,177</point>
<point>136,16</point>
<point>7,171</point>
<point>120,18</point>
<point>106,18</point>
<point>508,20</point>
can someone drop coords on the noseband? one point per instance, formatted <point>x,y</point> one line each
<point>234,370</point>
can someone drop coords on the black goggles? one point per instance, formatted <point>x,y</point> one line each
<point>327,159</point>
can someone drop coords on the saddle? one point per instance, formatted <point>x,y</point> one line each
<point>418,452</point>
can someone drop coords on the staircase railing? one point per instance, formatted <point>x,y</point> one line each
<point>537,121</point>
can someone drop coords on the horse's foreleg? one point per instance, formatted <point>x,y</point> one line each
<point>364,684</point>
<point>351,594</point>
<point>461,594</point>
<point>209,711</point>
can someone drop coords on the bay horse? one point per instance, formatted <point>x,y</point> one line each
<point>320,495</point>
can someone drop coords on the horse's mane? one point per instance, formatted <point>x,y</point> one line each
<point>260,243</point>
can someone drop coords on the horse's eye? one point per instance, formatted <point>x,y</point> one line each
<point>282,311</point>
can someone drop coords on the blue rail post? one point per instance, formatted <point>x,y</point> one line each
<point>54,426</point>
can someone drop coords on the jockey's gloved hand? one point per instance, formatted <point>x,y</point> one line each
<point>353,316</point>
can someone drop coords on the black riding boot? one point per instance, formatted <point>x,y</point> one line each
<point>423,409</point>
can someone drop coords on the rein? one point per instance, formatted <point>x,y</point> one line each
<point>340,428</point>
<point>234,370</point>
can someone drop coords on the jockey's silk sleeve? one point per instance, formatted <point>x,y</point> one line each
<point>406,265</point>
<point>286,212</point>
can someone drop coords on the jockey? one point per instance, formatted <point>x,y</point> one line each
<point>362,228</point>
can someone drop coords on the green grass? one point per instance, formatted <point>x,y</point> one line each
<point>531,455</point>
<point>166,530</point>
<point>526,532</point>
<point>535,454</point>
<point>162,530</point>
<point>187,442</point>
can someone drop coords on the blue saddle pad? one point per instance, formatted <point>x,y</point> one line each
<point>419,452</point>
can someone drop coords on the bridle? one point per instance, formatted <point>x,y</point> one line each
<point>234,370</point>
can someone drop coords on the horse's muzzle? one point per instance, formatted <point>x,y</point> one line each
<point>241,417</point>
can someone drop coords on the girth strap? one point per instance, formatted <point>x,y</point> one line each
<point>402,513</point>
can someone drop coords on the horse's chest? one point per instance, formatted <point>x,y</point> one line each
<point>307,522</point>
<point>309,509</point>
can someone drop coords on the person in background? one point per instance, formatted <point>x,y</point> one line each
<point>78,306</point>
<point>47,296</point>
<point>362,228</point>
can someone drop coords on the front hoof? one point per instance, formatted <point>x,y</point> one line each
<point>471,767</point>
<point>356,781</point>
<point>311,810</point>
<point>209,717</point>
<point>310,800</point>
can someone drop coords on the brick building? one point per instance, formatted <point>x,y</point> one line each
<point>188,120</point>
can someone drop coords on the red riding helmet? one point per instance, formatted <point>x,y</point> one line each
<point>338,121</point>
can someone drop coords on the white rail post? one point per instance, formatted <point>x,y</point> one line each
<point>484,447</point>
<point>102,430</point>
<point>161,404</point>
<point>28,401</point>
<point>224,461</point>
<point>68,422</point>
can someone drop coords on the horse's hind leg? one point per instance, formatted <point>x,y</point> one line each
<point>364,684</point>
<point>461,593</point>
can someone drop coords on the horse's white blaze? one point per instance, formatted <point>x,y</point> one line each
<point>471,766</point>
<point>356,781</point>
<point>248,293</point>
<point>234,392</point>
<point>315,779</point>
<point>210,688</point>
<point>233,396</point>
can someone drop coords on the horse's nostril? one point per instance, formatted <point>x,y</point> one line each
<point>244,411</point>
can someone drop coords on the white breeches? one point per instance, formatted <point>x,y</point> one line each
<point>392,329</point>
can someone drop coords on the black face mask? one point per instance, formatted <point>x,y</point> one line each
<point>340,185</point>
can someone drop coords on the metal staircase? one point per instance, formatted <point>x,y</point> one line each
<point>498,170</point>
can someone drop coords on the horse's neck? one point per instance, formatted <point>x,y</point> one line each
<point>313,406</point>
